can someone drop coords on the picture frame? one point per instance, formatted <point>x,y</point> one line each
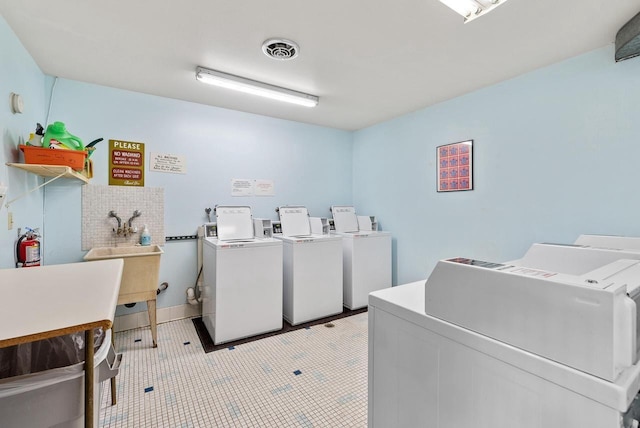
<point>455,166</point>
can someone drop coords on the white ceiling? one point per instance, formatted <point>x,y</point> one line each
<point>367,60</point>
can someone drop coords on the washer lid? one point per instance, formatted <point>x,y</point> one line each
<point>243,243</point>
<point>345,218</point>
<point>234,223</point>
<point>307,239</point>
<point>295,221</point>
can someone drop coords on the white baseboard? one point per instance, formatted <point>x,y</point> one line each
<point>141,319</point>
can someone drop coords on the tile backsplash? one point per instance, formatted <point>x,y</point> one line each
<point>97,226</point>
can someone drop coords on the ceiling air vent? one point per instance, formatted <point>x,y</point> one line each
<point>628,40</point>
<point>280,49</point>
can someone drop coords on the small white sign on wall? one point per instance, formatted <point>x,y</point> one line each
<point>164,162</point>
<point>264,187</point>
<point>241,187</point>
<point>252,187</point>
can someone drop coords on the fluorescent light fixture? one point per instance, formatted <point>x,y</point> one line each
<point>471,9</point>
<point>237,83</point>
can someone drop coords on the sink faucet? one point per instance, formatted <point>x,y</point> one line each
<point>119,230</point>
<point>128,230</point>
<point>125,230</point>
<point>113,214</point>
<point>136,213</point>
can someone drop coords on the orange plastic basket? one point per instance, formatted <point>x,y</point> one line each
<point>45,156</point>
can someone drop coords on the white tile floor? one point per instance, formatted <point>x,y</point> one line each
<point>314,377</point>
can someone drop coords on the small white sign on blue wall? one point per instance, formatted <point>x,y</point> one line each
<point>164,162</point>
<point>252,187</point>
<point>264,187</point>
<point>241,187</point>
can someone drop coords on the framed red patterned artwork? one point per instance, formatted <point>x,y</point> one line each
<point>455,166</point>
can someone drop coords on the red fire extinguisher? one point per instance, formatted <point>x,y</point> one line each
<point>28,249</point>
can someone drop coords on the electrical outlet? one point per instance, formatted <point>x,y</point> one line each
<point>10,220</point>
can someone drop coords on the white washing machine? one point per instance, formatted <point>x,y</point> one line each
<point>312,268</point>
<point>429,372</point>
<point>366,256</point>
<point>242,292</point>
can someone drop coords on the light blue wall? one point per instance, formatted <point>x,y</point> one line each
<point>310,165</point>
<point>555,155</point>
<point>18,74</point>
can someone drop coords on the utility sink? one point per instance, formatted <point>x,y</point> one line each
<point>101,253</point>
<point>139,276</point>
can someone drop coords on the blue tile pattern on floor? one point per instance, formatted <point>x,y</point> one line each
<point>257,385</point>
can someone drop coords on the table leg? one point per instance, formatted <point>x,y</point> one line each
<point>151,308</point>
<point>113,391</point>
<point>88,378</point>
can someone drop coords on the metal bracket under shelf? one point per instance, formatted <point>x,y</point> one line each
<point>55,171</point>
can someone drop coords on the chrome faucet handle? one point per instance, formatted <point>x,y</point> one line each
<point>113,214</point>
<point>136,213</point>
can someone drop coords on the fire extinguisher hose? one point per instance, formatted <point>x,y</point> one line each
<point>18,261</point>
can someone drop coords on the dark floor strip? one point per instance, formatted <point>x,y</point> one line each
<point>208,345</point>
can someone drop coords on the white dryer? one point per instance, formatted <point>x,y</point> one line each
<point>366,256</point>
<point>242,293</point>
<point>312,268</point>
<point>610,241</point>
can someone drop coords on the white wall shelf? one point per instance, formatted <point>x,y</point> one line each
<point>55,171</point>
<point>58,171</point>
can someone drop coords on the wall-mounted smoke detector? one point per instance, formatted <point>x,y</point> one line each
<point>281,49</point>
<point>16,102</point>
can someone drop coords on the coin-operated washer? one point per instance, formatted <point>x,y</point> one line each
<point>312,268</point>
<point>242,293</point>
<point>366,255</point>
